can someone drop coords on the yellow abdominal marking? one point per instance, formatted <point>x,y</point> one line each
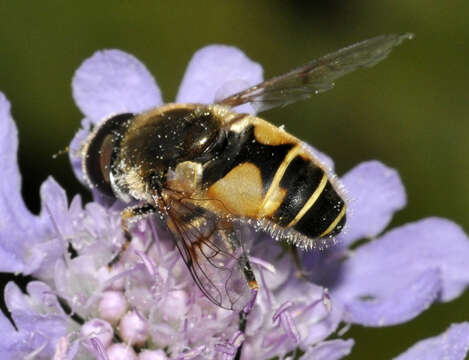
<point>268,134</point>
<point>335,222</point>
<point>312,199</point>
<point>240,191</point>
<point>274,196</point>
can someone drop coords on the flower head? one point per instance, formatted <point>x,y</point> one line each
<point>147,305</point>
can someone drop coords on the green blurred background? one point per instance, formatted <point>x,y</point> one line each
<point>411,111</point>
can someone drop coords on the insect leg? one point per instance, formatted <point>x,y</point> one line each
<point>126,215</point>
<point>253,285</point>
<point>300,272</point>
<point>243,315</point>
<point>233,241</point>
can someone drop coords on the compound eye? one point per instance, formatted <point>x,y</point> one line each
<point>97,162</point>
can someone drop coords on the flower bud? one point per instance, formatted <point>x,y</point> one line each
<point>99,329</point>
<point>121,352</point>
<point>112,306</point>
<point>133,329</point>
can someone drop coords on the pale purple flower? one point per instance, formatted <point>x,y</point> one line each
<point>148,300</point>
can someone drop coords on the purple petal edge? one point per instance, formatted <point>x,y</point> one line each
<point>375,193</point>
<point>16,220</point>
<point>390,270</point>
<point>75,146</point>
<point>112,82</point>
<point>9,339</point>
<point>453,344</point>
<point>218,71</point>
<point>329,350</point>
<point>404,304</point>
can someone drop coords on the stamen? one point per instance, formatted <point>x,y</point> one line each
<point>285,306</point>
<point>226,349</point>
<point>122,274</point>
<point>289,326</point>
<point>229,349</point>
<point>149,266</point>
<point>265,287</point>
<point>98,349</point>
<point>72,350</point>
<point>274,343</point>
<point>164,329</point>
<point>247,309</point>
<point>286,321</point>
<point>326,300</point>
<point>262,263</point>
<point>345,329</point>
<point>59,234</point>
<point>61,348</point>
<point>191,354</point>
<point>238,338</point>
<point>32,355</point>
<point>156,241</point>
<point>139,314</point>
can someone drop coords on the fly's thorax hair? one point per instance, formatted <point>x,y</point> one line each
<point>244,165</point>
<point>155,144</point>
<point>128,183</point>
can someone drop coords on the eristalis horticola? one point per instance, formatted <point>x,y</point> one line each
<point>206,170</point>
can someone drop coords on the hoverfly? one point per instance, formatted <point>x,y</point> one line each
<point>206,170</point>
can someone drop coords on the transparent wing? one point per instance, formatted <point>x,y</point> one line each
<point>316,76</point>
<point>213,250</point>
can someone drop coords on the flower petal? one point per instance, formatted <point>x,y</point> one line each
<point>215,69</point>
<point>15,219</point>
<point>405,303</point>
<point>329,350</point>
<point>315,315</point>
<point>9,340</point>
<point>55,207</point>
<point>56,222</point>
<point>75,147</point>
<point>35,318</point>
<point>403,271</point>
<point>375,192</point>
<point>452,344</point>
<point>112,82</point>
<point>324,159</point>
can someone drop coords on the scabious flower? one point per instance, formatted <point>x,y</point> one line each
<point>147,307</point>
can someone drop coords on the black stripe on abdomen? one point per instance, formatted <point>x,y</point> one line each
<point>245,148</point>
<point>322,214</point>
<point>301,179</point>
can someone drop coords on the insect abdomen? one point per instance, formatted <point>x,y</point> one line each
<point>311,204</point>
<point>272,177</point>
